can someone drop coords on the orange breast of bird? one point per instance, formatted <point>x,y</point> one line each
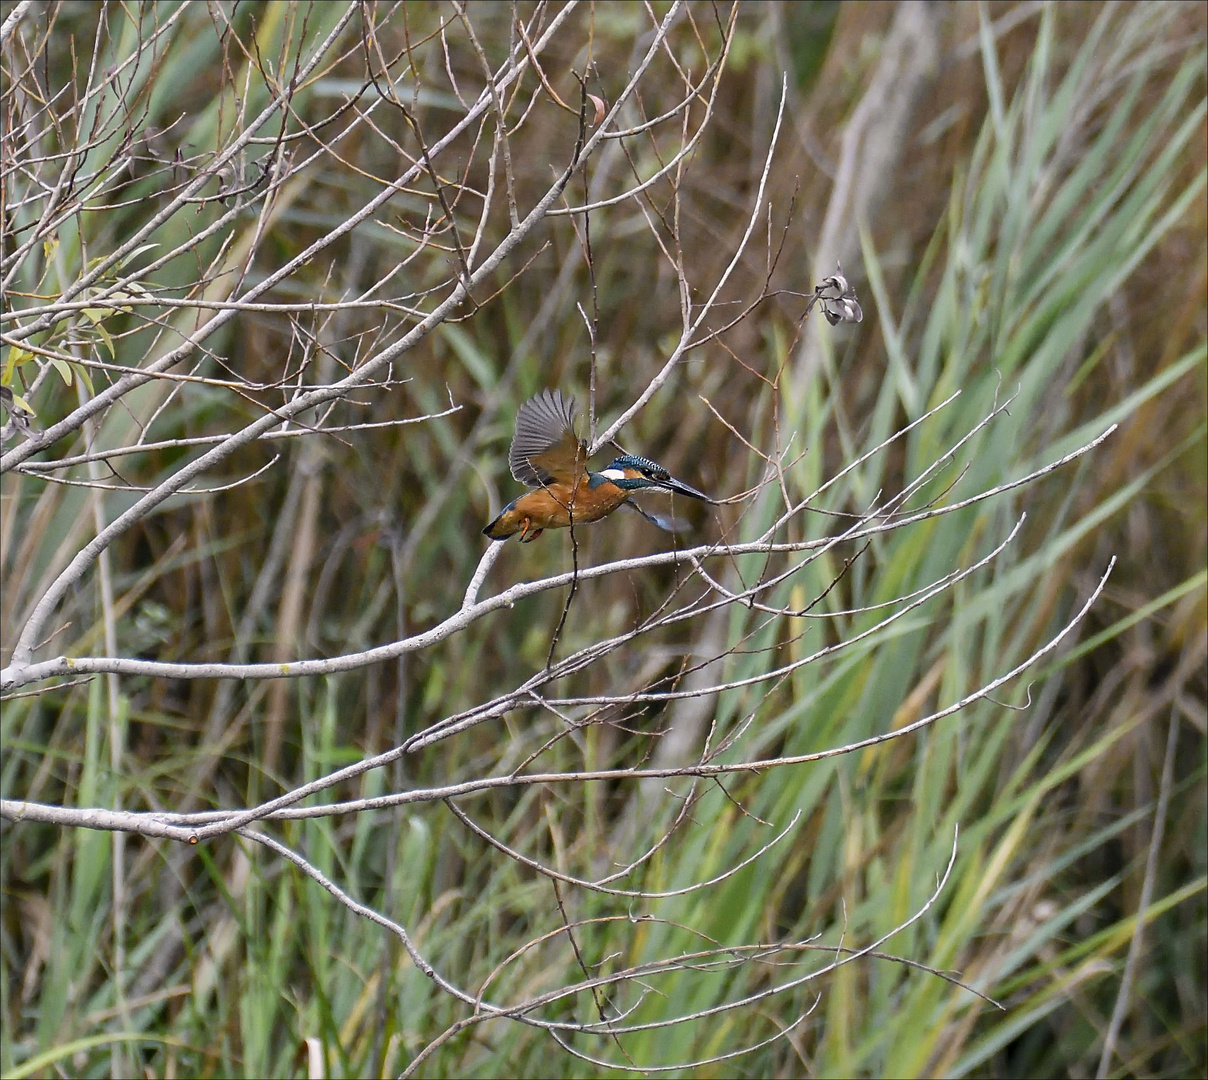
<point>553,507</point>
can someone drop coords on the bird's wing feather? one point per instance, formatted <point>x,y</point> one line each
<point>545,448</point>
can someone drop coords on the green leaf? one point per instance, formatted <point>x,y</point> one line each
<point>107,340</point>
<point>124,262</point>
<point>84,377</point>
<point>16,357</point>
<point>95,315</point>
<point>23,405</point>
<point>134,293</point>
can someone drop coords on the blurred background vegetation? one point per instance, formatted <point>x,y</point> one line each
<point>1017,191</point>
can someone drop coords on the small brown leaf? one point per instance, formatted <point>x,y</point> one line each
<point>598,102</point>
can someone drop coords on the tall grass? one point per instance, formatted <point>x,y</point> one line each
<point>1056,260</point>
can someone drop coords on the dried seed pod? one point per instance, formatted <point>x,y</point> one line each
<point>838,298</point>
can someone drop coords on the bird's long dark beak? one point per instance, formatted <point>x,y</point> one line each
<point>678,487</point>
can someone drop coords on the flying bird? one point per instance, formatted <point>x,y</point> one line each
<point>548,456</point>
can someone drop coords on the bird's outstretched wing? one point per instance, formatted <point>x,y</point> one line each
<point>545,448</point>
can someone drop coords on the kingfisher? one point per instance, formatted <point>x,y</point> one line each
<point>546,454</point>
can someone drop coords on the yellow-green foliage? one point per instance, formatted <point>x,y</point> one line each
<point>1040,238</point>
